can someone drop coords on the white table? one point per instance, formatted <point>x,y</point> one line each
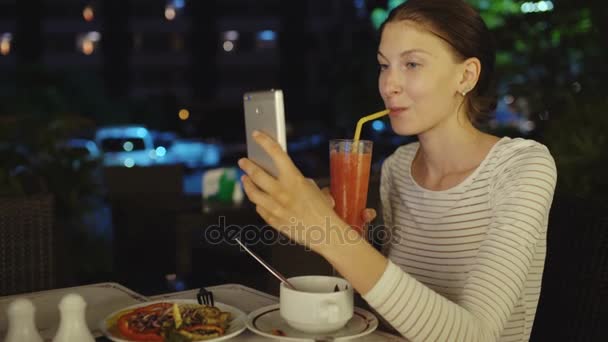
<point>105,298</point>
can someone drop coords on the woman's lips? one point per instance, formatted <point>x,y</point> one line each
<point>396,111</point>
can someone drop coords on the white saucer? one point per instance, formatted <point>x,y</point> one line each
<point>264,320</point>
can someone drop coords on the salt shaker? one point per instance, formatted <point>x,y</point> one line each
<point>73,325</point>
<point>21,326</point>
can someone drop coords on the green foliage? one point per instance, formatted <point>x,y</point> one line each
<point>578,139</point>
<point>394,3</point>
<point>34,161</point>
<point>495,12</point>
<point>378,16</point>
<point>35,123</point>
<point>547,58</point>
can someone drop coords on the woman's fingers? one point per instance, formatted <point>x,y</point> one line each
<point>258,197</point>
<point>265,215</point>
<point>330,199</point>
<point>275,222</point>
<point>258,176</point>
<point>280,158</point>
<point>368,215</point>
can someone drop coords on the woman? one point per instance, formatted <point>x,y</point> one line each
<point>467,210</point>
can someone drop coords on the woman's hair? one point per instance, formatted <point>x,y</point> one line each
<point>457,23</point>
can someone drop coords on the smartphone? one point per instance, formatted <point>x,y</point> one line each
<point>264,112</point>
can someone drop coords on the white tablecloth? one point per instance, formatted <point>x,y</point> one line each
<point>105,298</point>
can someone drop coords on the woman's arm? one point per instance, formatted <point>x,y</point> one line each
<point>496,282</point>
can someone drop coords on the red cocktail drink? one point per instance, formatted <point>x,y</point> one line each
<point>349,178</point>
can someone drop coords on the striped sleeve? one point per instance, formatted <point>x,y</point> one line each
<point>385,184</point>
<point>522,195</point>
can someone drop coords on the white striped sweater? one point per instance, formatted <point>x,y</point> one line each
<point>465,264</point>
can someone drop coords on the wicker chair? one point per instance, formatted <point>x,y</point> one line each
<point>573,303</point>
<point>27,253</point>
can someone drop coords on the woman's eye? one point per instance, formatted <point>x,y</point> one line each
<point>411,65</point>
<point>382,67</point>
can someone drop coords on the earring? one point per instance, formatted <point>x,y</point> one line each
<point>463,93</point>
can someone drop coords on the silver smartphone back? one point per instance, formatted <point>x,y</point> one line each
<point>265,112</point>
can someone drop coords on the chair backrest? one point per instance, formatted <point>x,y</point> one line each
<point>147,187</point>
<point>157,179</point>
<point>27,240</point>
<point>573,303</point>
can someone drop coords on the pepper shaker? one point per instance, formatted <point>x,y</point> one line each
<point>73,326</point>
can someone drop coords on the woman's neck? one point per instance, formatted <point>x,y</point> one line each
<point>452,149</point>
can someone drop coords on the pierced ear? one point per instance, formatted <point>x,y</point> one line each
<point>470,74</point>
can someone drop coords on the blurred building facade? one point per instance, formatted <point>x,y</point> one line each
<point>200,55</point>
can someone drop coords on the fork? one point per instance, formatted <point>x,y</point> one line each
<point>204,297</point>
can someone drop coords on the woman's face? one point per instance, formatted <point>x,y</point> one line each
<point>419,78</point>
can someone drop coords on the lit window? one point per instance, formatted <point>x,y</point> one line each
<point>231,35</point>
<point>88,47</point>
<point>179,4</point>
<point>266,39</point>
<point>184,114</point>
<point>5,43</point>
<point>87,42</point>
<point>230,40</point>
<point>360,8</point>
<point>228,46</point>
<point>88,13</point>
<point>170,12</point>
<point>267,35</point>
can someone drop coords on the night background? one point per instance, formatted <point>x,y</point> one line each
<point>112,112</point>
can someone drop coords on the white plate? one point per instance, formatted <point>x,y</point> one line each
<point>237,324</point>
<point>263,320</point>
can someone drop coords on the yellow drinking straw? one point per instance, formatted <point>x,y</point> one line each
<point>366,119</point>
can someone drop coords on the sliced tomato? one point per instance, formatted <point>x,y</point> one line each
<point>125,329</point>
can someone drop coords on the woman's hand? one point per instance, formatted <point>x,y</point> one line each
<point>291,203</point>
<point>296,207</point>
<point>368,214</point>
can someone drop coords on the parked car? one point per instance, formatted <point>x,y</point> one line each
<point>163,141</point>
<point>128,146</point>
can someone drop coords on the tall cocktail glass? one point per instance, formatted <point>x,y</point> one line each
<point>350,165</point>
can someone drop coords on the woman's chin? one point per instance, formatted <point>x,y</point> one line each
<point>403,126</point>
<point>405,130</point>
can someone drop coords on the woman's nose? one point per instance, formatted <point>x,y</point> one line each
<point>390,83</point>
